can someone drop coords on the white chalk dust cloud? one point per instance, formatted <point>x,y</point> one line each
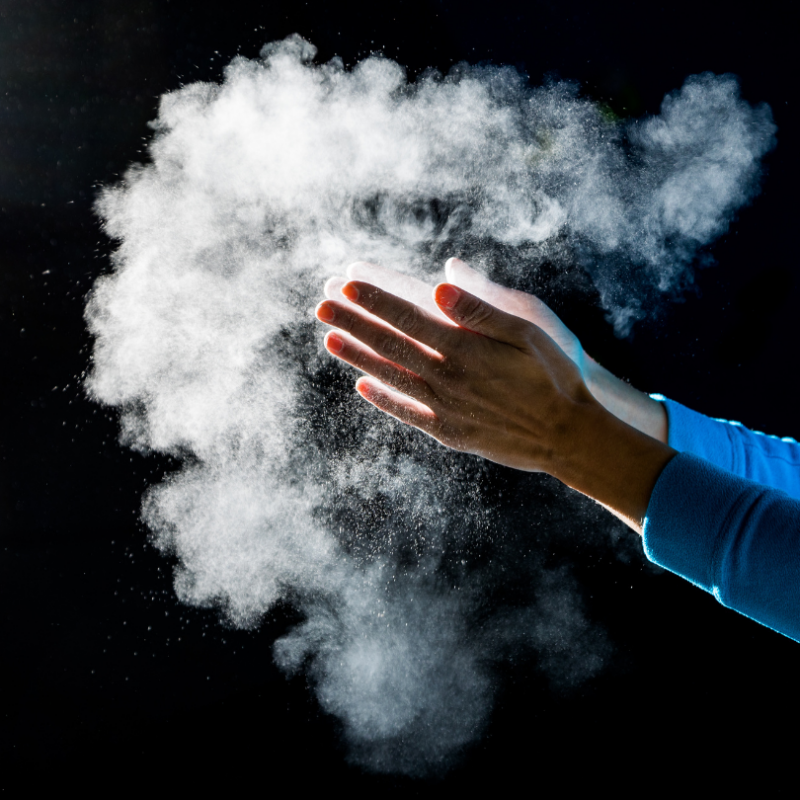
<point>412,585</point>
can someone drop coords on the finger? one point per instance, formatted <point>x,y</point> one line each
<point>520,304</point>
<point>382,339</point>
<point>477,315</point>
<point>400,314</point>
<point>463,275</point>
<point>333,291</point>
<point>405,286</point>
<point>406,409</point>
<point>358,355</point>
<point>333,287</point>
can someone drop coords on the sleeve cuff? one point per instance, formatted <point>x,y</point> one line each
<point>683,519</point>
<point>691,432</point>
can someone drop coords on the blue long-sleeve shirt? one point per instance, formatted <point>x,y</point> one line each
<point>725,515</point>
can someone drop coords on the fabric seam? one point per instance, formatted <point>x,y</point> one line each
<point>770,456</point>
<point>736,467</point>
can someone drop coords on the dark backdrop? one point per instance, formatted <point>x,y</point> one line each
<point>105,670</point>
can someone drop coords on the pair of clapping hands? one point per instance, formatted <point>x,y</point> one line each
<point>493,371</point>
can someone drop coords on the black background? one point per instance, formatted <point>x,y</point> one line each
<point>106,674</point>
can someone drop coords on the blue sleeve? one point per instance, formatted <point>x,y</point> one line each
<point>764,459</point>
<point>736,539</point>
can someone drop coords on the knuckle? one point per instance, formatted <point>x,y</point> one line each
<point>475,310</point>
<point>451,371</point>
<point>360,360</point>
<point>391,346</point>
<point>368,299</point>
<point>407,319</point>
<point>346,321</point>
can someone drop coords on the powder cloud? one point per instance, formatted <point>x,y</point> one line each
<point>411,587</point>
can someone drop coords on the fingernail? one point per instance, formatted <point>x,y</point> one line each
<point>325,312</point>
<point>334,343</point>
<point>447,295</point>
<point>350,292</point>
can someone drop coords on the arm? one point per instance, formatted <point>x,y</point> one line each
<point>734,538</point>
<point>764,459</point>
<point>490,383</point>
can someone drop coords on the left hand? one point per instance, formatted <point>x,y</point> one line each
<point>617,396</point>
<point>485,382</point>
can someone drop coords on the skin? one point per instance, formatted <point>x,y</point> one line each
<point>492,371</point>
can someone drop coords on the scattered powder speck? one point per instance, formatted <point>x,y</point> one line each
<point>256,191</point>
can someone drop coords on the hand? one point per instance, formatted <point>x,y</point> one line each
<point>458,272</point>
<point>485,381</point>
<point>617,396</point>
<point>474,377</point>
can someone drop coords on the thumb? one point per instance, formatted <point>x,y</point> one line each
<point>462,274</point>
<point>477,315</point>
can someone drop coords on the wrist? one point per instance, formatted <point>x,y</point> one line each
<point>593,376</point>
<point>628,404</point>
<point>575,424</point>
<point>609,460</point>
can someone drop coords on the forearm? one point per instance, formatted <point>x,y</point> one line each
<point>626,403</point>
<point>609,460</point>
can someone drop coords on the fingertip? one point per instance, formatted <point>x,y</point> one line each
<point>363,387</point>
<point>462,274</point>
<point>333,287</point>
<point>357,269</point>
<point>452,267</point>
<point>333,342</point>
<point>446,295</point>
<point>372,389</point>
<point>350,291</point>
<point>324,312</point>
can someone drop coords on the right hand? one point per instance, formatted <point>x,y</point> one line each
<point>488,382</point>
